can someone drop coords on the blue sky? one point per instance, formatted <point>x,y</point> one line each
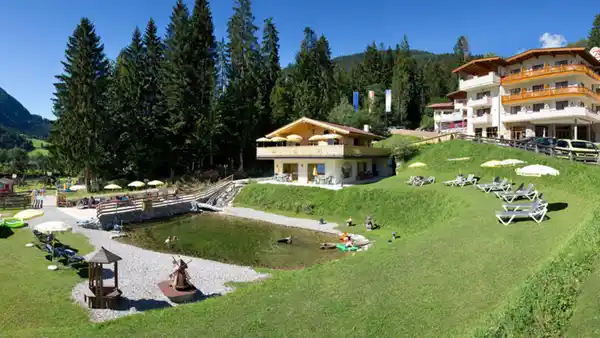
<point>33,33</point>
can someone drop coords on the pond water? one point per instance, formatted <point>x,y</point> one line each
<point>235,240</point>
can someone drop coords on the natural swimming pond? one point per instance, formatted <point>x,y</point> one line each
<point>235,240</point>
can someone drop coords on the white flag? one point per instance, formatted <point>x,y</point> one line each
<point>388,100</point>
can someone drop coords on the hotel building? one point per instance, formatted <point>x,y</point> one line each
<point>551,92</point>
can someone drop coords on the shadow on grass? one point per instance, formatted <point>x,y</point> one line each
<point>141,304</point>
<point>5,232</point>
<point>557,206</point>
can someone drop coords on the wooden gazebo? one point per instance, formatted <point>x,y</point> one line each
<point>102,296</point>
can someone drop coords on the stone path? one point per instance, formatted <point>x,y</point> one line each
<point>281,220</point>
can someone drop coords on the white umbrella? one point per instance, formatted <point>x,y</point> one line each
<point>417,164</point>
<point>76,187</point>
<point>511,161</point>
<point>155,182</point>
<point>537,170</point>
<point>459,159</point>
<point>136,184</point>
<point>52,227</point>
<point>492,164</point>
<point>112,187</point>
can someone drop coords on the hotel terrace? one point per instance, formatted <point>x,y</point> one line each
<point>308,151</point>
<point>551,92</point>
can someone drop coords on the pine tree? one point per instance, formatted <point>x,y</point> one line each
<point>461,50</point>
<point>403,85</point>
<point>594,36</point>
<point>325,83</point>
<point>78,134</point>
<point>372,65</point>
<point>270,73</point>
<point>179,125</point>
<point>202,48</point>
<point>388,67</point>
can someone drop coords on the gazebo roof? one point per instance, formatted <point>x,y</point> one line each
<point>104,256</point>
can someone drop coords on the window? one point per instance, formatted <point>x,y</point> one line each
<point>482,95</point>
<point>538,106</point>
<point>560,105</point>
<point>320,168</point>
<point>481,112</point>
<point>517,133</point>
<point>515,91</point>
<point>562,144</point>
<point>561,63</point>
<point>537,88</point>
<point>492,132</point>
<point>515,109</point>
<point>515,71</point>
<point>478,132</point>
<point>537,67</point>
<point>583,145</point>
<point>561,84</point>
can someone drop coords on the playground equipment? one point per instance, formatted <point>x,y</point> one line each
<point>178,287</point>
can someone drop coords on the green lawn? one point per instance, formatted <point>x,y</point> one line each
<point>236,240</point>
<point>454,272</point>
<point>32,296</point>
<point>37,144</point>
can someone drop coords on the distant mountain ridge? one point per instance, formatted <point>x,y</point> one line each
<point>15,117</point>
<point>347,61</point>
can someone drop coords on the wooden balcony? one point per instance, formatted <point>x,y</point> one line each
<point>325,151</point>
<point>550,94</point>
<point>549,71</point>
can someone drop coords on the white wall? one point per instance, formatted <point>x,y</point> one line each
<point>333,167</point>
<point>549,59</point>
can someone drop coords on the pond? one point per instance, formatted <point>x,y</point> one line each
<point>235,240</point>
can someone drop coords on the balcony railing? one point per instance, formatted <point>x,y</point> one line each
<point>327,151</point>
<point>548,114</point>
<point>449,117</point>
<point>482,102</point>
<point>483,119</point>
<point>550,70</point>
<point>549,93</point>
<point>492,79</point>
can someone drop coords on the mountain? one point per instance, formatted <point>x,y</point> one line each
<point>10,139</point>
<point>17,118</point>
<point>347,61</point>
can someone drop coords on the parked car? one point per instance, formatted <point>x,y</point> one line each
<point>578,149</point>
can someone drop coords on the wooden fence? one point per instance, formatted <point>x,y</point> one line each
<point>15,200</point>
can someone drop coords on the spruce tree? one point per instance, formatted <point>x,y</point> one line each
<point>269,74</point>
<point>80,101</point>
<point>594,36</point>
<point>372,65</point>
<point>405,90</point>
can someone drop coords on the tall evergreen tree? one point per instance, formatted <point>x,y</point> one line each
<point>80,103</point>
<point>388,67</point>
<point>372,65</point>
<point>594,36</point>
<point>461,50</point>
<point>270,73</point>
<point>242,91</point>
<point>405,91</point>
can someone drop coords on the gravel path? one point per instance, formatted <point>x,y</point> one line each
<point>281,220</point>
<point>140,269</point>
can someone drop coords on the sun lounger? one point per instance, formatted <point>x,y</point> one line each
<point>411,180</point>
<point>538,203</point>
<point>458,179</point>
<point>520,188</point>
<point>469,180</point>
<point>69,254</point>
<point>496,181</point>
<point>528,193</point>
<point>506,217</point>
<point>426,180</point>
<point>504,185</point>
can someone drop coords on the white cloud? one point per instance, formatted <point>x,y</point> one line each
<point>552,40</point>
<point>520,51</point>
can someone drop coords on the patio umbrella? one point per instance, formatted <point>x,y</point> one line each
<point>511,161</point>
<point>28,214</point>
<point>155,182</point>
<point>492,164</point>
<point>315,171</point>
<point>277,168</point>
<point>77,187</point>
<point>294,138</point>
<point>317,138</point>
<point>263,139</point>
<point>112,187</point>
<point>136,184</point>
<point>459,159</point>
<point>537,170</point>
<point>52,227</point>
<point>417,165</point>
<point>278,139</point>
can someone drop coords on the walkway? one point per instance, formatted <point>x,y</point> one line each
<point>141,269</point>
<point>281,220</point>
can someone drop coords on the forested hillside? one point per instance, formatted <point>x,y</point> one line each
<point>17,118</point>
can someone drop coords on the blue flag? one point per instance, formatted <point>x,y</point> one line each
<point>355,101</point>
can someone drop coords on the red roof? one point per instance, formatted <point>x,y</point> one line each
<point>443,105</point>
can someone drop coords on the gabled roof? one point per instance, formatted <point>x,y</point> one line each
<point>481,66</point>
<point>457,95</point>
<point>442,105</point>
<point>338,128</point>
<point>581,51</point>
<point>104,256</point>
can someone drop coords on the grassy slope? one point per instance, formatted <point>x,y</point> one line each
<point>454,270</point>
<point>37,144</point>
<point>33,296</point>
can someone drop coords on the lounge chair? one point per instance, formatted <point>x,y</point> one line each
<point>528,193</point>
<point>458,179</point>
<point>481,186</point>
<point>504,185</point>
<point>520,188</point>
<point>411,180</point>
<point>538,215</point>
<point>426,180</point>
<point>469,180</point>
<point>538,203</point>
<point>69,254</point>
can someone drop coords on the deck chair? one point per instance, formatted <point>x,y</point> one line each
<point>506,217</point>
<point>481,186</point>
<point>499,194</point>
<point>504,185</point>
<point>528,193</point>
<point>469,180</point>
<point>457,180</point>
<point>411,180</point>
<point>538,203</point>
<point>426,180</point>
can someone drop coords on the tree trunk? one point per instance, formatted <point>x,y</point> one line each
<point>241,168</point>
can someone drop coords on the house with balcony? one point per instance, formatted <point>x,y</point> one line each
<point>550,92</point>
<point>309,151</point>
<point>450,117</point>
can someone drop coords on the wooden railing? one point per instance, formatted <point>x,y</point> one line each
<point>590,157</point>
<point>548,70</point>
<point>549,93</point>
<point>15,200</point>
<point>137,204</point>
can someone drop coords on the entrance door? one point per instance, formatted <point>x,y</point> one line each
<point>374,169</point>
<point>292,169</point>
<point>582,133</point>
<point>541,131</point>
<point>517,133</point>
<point>563,132</point>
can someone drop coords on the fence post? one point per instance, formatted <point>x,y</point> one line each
<point>571,157</point>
